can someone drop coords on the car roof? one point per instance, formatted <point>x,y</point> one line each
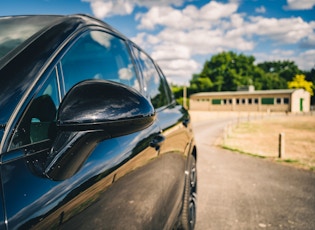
<point>21,66</point>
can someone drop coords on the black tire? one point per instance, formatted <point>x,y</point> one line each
<point>188,215</point>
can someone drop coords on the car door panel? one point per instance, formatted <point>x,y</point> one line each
<point>114,180</point>
<point>175,151</point>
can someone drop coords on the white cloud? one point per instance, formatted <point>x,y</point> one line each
<point>169,52</point>
<point>187,18</point>
<point>215,11</point>
<point>308,42</point>
<point>261,10</point>
<point>299,4</point>
<point>107,8</point>
<point>285,31</point>
<point>166,16</point>
<point>305,60</point>
<point>280,54</point>
<point>179,70</point>
<point>103,8</point>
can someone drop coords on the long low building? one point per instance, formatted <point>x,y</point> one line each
<point>286,100</point>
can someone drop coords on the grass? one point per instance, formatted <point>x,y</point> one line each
<point>260,138</point>
<point>242,152</point>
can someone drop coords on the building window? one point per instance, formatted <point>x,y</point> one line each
<point>286,100</point>
<point>227,101</point>
<point>216,101</point>
<point>278,100</point>
<point>267,101</point>
<point>250,101</point>
<point>256,101</point>
<point>237,101</point>
<point>243,101</point>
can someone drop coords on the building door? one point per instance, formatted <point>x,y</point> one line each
<point>301,104</point>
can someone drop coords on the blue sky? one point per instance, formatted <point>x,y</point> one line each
<point>181,34</point>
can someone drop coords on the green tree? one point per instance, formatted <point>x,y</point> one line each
<point>271,81</point>
<point>201,84</point>
<point>310,76</point>
<point>285,69</point>
<point>299,82</point>
<point>177,91</point>
<point>226,71</point>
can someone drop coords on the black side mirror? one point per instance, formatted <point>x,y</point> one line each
<point>104,105</point>
<point>91,111</point>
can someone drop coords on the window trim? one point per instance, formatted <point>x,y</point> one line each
<point>171,98</point>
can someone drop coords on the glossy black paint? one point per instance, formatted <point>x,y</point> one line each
<point>48,203</point>
<point>113,161</point>
<point>100,104</point>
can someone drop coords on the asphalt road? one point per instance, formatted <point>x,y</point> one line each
<point>242,192</point>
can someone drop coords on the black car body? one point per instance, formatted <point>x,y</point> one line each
<point>91,137</point>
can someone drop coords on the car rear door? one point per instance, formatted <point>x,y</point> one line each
<point>174,137</point>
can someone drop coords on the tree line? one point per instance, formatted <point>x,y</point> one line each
<point>227,71</point>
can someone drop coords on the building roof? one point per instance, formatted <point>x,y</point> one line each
<point>243,93</point>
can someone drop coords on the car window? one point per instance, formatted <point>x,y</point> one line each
<point>38,121</point>
<point>98,55</point>
<point>153,85</point>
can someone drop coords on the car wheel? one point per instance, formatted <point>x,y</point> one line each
<point>188,216</point>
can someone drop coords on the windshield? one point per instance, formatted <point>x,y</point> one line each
<point>14,30</point>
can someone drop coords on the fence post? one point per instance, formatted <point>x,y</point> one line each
<point>185,97</point>
<point>281,145</point>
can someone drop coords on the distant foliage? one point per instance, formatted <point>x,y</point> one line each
<point>285,70</point>
<point>299,82</point>
<point>226,71</point>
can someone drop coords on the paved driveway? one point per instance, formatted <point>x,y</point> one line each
<point>242,192</point>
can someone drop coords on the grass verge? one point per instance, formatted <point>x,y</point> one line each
<point>260,138</point>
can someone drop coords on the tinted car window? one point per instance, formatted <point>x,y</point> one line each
<point>40,116</point>
<point>153,85</point>
<point>98,55</point>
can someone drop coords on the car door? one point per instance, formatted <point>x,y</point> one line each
<point>117,182</point>
<point>174,135</point>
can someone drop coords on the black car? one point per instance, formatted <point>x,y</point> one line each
<point>91,136</point>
